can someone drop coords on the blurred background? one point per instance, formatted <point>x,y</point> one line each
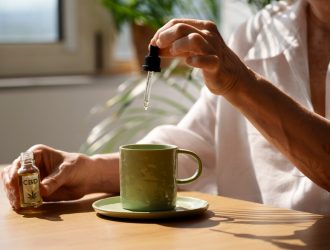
<point>70,69</point>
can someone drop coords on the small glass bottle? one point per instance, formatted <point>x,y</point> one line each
<point>29,181</point>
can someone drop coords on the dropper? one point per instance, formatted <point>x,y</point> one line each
<point>151,65</point>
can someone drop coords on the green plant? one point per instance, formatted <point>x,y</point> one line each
<point>123,119</point>
<point>155,13</point>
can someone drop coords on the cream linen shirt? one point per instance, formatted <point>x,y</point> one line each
<point>238,161</point>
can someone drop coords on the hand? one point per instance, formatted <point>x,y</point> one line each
<point>200,43</point>
<point>64,175</point>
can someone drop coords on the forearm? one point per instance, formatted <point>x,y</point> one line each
<point>105,168</point>
<point>301,135</point>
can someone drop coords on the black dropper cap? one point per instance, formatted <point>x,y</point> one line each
<point>152,61</point>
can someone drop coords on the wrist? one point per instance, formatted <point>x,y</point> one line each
<point>242,86</point>
<point>105,169</point>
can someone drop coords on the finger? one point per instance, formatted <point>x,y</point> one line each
<point>13,197</point>
<point>10,182</point>
<point>39,152</point>
<point>199,24</point>
<point>53,181</point>
<point>166,52</point>
<point>168,36</point>
<point>206,62</point>
<point>193,44</point>
<point>64,194</point>
<point>58,195</point>
<point>45,159</point>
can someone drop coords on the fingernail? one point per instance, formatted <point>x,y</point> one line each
<point>152,42</point>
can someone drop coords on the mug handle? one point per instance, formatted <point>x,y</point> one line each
<point>198,170</point>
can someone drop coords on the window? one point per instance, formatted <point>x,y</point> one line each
<point>30,21</point>
<point>54,37</point>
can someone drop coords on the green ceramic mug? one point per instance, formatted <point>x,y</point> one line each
<point>148,176</point>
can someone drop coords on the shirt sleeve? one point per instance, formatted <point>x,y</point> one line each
<point>195,132</point>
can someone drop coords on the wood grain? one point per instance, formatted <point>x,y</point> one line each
<point>228,224</point>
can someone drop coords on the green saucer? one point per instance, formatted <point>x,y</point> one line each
<point>185,206</point>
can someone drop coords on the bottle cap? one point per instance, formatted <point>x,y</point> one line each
<point>152,60</point>
<point>27,157</point>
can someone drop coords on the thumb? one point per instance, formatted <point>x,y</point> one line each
<point>52,182</point>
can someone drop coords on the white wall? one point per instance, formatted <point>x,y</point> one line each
<point>52,115</point>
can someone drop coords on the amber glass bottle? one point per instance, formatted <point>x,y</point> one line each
<point>29,181</point>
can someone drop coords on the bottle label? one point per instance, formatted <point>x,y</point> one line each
<point>31,193</point>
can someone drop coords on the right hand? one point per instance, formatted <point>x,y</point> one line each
<point>63,175</point>
<point>201,45</point>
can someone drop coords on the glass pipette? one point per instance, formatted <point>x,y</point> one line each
<point>151,65</point>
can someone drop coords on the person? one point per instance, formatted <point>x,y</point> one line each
<point>261,125</point>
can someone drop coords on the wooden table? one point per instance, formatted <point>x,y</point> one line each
<point>228,224</point>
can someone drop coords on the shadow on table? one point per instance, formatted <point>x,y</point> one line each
<point>54,210</point>
<point>317,236</point>
<point>206,219</point>
<point>254,224</point>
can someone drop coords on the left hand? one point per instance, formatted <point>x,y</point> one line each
<point>65,176</point>
<point>200,43</point>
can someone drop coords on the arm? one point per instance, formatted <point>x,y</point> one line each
<point>302,136</point>
<point>298,133</point>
